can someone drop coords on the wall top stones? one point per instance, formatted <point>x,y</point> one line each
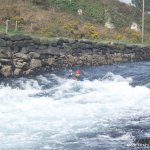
<point>55,46</point>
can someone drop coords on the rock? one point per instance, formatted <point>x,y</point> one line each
<point>86,42</point>
<point>17,38</point>
<point>9,53</point>
<point>42,47</point>
<point>50,61</point>
<point>36,41</point>
<point>27,72</point>
<point>60,42</point>
<point>44,42</point>
<point>132,57</point>
<point>27,37</point>
<point>32,48</point>
<point>4,37</point>
<point>80,62</point>
<point>15,49</point>
<point>53,50</point>
<point>75,46</point>
<point>54,44</point>
<point>65,40</point>
<point>5,61</point>
<point>70,58</point>
<point>8,43</point>
<point>35,63</point>
<point>20,43</point>
<point>24,50</point>
<point>5,53</point>
<point>83,58</point>
<point>23,56</point>
<point>34,55</point>
<point>89,58</point>
<point>128,57</point>
<point>3,43</point>
<point>20,38</point>
<point>108,59</point>
<point>117,57</point>
<point>17,71</point>
<point>20,65</point>
<point>44,62</point>
<point>41,52</point>
<point>6,71</point>
<point>18,60</point>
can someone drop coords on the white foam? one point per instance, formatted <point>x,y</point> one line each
<point>75,107</point>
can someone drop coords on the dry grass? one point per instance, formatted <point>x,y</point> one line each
<point>54,22</point>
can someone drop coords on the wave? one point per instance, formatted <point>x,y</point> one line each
<point>54,112</point>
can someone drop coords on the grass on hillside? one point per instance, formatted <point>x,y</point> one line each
<point>59,18</point>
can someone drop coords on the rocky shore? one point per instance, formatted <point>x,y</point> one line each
<point>24,55</point>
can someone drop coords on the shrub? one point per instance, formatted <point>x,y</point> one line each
<point>17,18</point>
<point>118,36</point>
<point>72,29</point>
<point>90,31</point>
<point>131,35</point>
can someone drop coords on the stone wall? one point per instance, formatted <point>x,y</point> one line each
<point>23,55</point>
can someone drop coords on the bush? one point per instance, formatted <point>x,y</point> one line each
<point>17,18</point>
<point>72,29</point>
<point>131,35</point>
<point>90,31</point>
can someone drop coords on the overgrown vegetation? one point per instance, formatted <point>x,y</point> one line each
<point>53,18</point>
<point>93,9</point>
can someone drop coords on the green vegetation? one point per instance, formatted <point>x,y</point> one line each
<point>93,9</point>
<point>98,11</point>
<point>54,18</point>
<point>139,4</point>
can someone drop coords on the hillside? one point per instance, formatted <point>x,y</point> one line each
<point>54,18</point>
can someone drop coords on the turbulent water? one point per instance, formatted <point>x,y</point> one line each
<point>108,110</point>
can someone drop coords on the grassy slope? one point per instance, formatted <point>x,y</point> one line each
<point>59,18</point>
<point>93,10</point>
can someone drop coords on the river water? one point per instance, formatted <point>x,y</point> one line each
<point>108,110</point>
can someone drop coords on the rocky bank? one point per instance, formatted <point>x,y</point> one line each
<point>24,55</point>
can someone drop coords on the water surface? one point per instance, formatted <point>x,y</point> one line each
<point>107,110</point>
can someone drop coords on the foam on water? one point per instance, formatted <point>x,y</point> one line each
<point>75,115</point>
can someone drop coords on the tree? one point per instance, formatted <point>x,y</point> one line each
<point>139,3</point>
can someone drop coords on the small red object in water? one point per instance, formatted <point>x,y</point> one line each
<point>78,71</point>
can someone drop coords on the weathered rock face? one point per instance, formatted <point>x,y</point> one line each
<point>35,63</point>
<point>50,61</point>
<point>34,55</point>
<point>23,55</point>
<point>17,72</point>
<point>6,71</point>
